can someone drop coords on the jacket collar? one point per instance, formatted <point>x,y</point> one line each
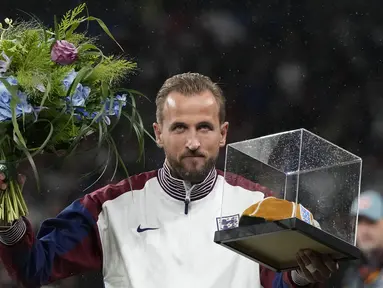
<point>180,189</point>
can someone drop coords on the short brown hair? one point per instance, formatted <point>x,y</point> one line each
<point>189,84</point>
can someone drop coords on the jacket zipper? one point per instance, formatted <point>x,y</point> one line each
<point>187,201</point>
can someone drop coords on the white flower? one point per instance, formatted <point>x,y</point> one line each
<point>4,65</point>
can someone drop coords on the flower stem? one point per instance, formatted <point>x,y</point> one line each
<point>12,205</point>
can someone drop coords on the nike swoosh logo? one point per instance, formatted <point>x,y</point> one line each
<point>140,230</point>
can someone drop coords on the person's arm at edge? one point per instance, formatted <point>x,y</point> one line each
<point>66,245</point>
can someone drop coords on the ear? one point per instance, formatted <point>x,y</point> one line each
<point>158,132</point>
<point>224,128</point>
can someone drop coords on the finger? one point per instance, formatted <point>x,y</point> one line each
<point>319,278</point>
<point>2,176</point>
<point>318,264</point>
<point>3,186</point>
<point>303,270</point>
<point>309,259</point>
<point>21,179</point>
<point>314,276</point>
<point>331,264</point>
<point>304,257</point>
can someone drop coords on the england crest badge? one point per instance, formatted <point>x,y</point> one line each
<point>227,222</point>
<point>305,214</point>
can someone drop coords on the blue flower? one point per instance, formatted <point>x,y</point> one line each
<point>81,111</point>
<point>5,95</point>
<point>4,64</point>
<point>22,107</point>
<point>113,107</point>
<point>5,113</point>
<point>68,80</point>
<point>81,93</point>
<point>12,80</point>
<point>79,97</point>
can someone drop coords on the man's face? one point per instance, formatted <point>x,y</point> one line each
<point>191,134</point>
<point>369,235</point>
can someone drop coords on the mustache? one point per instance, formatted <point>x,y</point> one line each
<point>192,154</point>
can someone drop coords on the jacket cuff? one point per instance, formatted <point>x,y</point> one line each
<point>14,233</point>
<point>298,279</point>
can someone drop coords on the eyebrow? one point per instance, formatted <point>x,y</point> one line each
<point>175,124</point>
<point>182,124</point>
<point>206,123</point>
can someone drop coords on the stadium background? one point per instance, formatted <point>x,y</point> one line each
<point>282,65</point>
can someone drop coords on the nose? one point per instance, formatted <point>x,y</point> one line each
<point>192,143</point>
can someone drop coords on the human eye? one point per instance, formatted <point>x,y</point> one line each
<point>178,127</point>
<point>205,127</point>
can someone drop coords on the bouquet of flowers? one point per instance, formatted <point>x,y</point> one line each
<point>56,87</point>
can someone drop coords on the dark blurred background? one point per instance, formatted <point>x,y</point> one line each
<point>282,65</point>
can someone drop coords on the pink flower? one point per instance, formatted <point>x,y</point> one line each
<point>64,53</point>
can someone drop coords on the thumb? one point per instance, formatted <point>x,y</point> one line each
<point>21,178</point>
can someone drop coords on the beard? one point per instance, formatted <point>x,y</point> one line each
<point>197,175</point>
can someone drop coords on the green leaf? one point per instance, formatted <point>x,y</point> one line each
<point>132,120</point>
<point>46,93</point>
<point>47,139</point>
<point>83,73</point>
<point>84,50</point>
<point>104,90</point>
<point>105,28</point>
<point>110,139</point>
<point>56,27</point>
<point>100,134</point>
<point>93,53</point>
<point>41,24</point>
<point>17,136</point>
<point>75,142</point>
<point>116,162</point>
<point>139,133</point>
<point>135,92</point>
<point>140,127</point>
<point>70,18</point>
<point>117,118</point>
<point>132,104</point>
<point>13,90</point>
<point>102,172</point>
<point>87,15</point>
<point>23,148</point>
<point>73,27</point>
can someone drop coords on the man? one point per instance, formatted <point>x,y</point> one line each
<point>156,229</point>
<point>368,272</point>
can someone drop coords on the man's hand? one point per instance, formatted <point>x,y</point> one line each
<point>3,185</point>
<point>315,267</point>
<point>3,181</point>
